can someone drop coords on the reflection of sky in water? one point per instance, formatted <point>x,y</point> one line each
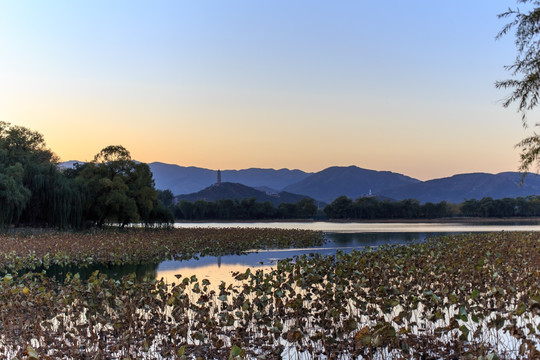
<point>384,227</point>
<point>213,268</point>
<point>346,237</point>
<point>216,274</point>
<point>360,240</point>
<point>141,271</point>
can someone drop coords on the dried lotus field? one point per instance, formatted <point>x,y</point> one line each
<point>474,296</point>
<point>41,249</point>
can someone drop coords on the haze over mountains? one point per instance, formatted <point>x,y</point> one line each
<point>351,181</point>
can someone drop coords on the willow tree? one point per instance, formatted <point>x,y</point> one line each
<point>525,72</point>
<point>104,182</point>
<point>13,194</point>
<point>118,189</point>
<point>32,188</point>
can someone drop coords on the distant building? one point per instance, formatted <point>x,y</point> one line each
<point>218,177</point>
<point>368,195</point>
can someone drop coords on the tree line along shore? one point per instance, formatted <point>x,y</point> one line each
<point>344,208</point>
<point>115,189</point>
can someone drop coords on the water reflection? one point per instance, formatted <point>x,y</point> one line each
<point>141,271</point>
<point>216,274</point>
<point>359,240</point>
<point>385,227</point>
<point>217,269</point>
<point>340,237</point>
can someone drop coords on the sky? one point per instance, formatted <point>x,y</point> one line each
<point>403,86</point>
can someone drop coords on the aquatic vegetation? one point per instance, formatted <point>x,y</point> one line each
<point>473,296</point>
<point>41,249</point>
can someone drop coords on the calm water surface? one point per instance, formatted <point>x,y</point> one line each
<point>341,236</point>
<point>356,227</point>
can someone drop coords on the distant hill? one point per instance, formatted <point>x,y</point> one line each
<point>457,188</point>
<point>190,179</point>
<point>180,179</point>
<point>228,190</point>
<point>267,190</point>
<point>186,180</point>
<point>350,181</point>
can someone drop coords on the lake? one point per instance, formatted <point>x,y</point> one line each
<point>317,314</point>
<point>340,237</point>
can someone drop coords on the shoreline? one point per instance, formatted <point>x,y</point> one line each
<point>453,220</point>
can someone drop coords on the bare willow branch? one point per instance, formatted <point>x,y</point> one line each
<point>525,72</point>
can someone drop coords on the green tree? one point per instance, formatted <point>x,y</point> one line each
<point>142,189</point>
<point>226,209</point>
<point>529,206</point>
<point>23,145</point>
<point>34,189</point>
<point>107,199</point>
<point>13,194</point>
<point>506,207</point>
<point>471,208</point>
<point>184,210</point>
<point>341,208</point>
<point>201,209</point>
<point>439,210</point>
<point>118,190</point>
<point>249,208</point>
<point>407,209</point>
<point>265,210</point>
<point>166,197</point>
<point>366,207</point>
<point>525,72</point>
<point>306,208</point>
<point>163,211</point>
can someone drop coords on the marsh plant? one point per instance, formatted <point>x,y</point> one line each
<point>454,297</point>
<point>41,249</point>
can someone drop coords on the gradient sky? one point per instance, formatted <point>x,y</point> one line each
<point>406,86</point>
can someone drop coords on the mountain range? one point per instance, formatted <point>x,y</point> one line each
<point>352,181</point>
<point>458,188</point>
<point>186,180</point>
<point>328,184</point>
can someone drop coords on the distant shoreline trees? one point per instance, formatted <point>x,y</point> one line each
<point>369,208</point>
<point>364,208</point>
<point>245,209</point>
